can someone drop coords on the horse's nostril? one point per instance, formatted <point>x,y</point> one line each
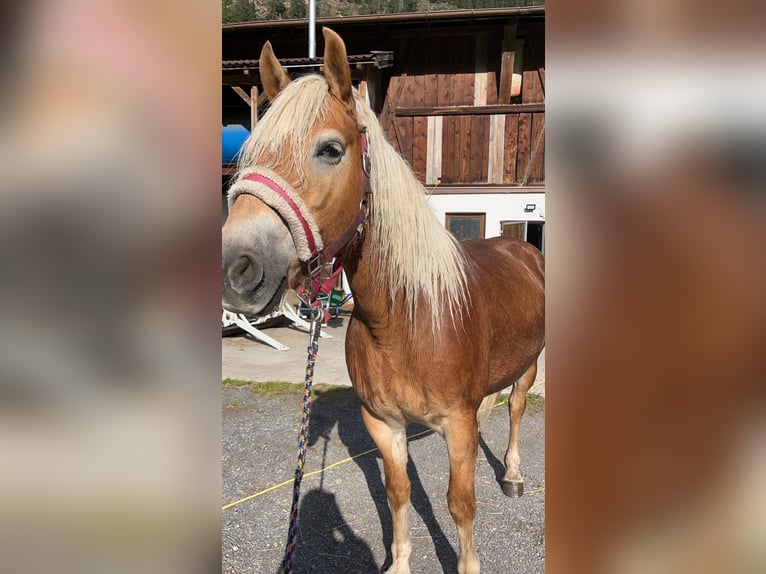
<point>245,274</point>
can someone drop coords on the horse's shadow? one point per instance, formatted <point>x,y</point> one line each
<point>341,407</point>
<point>327,543</point>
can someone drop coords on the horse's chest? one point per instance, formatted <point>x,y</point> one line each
<point>395,383</point>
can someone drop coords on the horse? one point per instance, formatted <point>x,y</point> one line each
<point>438,326</point>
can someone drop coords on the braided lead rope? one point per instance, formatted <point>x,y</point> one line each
<point>303,441</point>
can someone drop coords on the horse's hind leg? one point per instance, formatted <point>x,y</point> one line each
<point>462,435</point>
<point>513,483</point>
<point>392,443</point>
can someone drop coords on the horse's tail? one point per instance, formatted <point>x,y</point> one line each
<point>486,407</point>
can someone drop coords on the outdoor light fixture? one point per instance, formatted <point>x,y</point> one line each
<point>530,207</point>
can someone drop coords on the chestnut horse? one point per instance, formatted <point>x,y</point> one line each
<point>437,325</point>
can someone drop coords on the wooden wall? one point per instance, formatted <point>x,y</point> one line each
<point>444,109</point>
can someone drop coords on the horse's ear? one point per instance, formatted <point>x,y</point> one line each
<point>273,75</point>
<point>336,68</point>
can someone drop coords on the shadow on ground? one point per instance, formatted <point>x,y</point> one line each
<point>329,544</point>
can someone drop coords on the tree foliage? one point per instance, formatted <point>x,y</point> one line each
<point>239,11</point>
<point>246,10</point>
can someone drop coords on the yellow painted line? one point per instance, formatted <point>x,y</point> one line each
<point>314,472</point>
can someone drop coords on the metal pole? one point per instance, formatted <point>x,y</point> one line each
<point>312,29</point>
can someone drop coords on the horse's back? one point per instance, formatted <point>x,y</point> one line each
<point>507,262</point>
<point>506,278</point>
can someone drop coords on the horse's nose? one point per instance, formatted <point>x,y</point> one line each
<point>244,273</point>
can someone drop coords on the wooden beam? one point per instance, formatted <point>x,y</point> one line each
<point>480,74</point>
<point>373,80</point>
<point>253,107</point>
<point>465,189</point>
<point>242,94</point>
<point>434,150</point>
<point>470,110</point>
<point>507,63</point>
<point>496,148</point>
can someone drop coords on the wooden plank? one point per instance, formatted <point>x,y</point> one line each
<point>469,78</point>
<point>389,103</point>
<point>404,129</point>
<point>403,126</point>
<point>531,91</point>
<point>450,164</point>
<point>474,149</point>
<point>430,138</point>
<point>493,67</point>
<point>253,107</point>
<point>388,116</point>
<point>506,76</point>
<point>242,94</point>
<point>443,79</point>
<point>481,140</point>
<point>419,147</point>
<point>524,153</point>
<point>536,171</point>
<point>527,86</point>
<point>434,150</point>
<point>511,148</point>
<point>430,79</point>
<point>450,126</point>
<point>419,125</point>
<point>471,110</point>
<point>374,84</point>
<point>464,153</point>
<point>479,128</point>
<point>437,158</point>
<point>507,63</point>
<point>464,189</point>
<point>496,147</point>
<point>480,73</point>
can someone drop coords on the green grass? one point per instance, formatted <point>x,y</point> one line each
<point>277,388</point>
<point>266,389</point>
<point>535,403</point>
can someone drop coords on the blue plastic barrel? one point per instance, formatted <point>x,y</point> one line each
<point>232,139</point>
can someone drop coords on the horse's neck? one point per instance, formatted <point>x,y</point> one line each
<point>369,284</point>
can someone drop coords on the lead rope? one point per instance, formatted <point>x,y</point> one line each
<point>303,440</point>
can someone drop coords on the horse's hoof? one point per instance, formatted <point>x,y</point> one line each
<point>512,489</point>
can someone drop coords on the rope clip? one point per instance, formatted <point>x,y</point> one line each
<point>317,315</point>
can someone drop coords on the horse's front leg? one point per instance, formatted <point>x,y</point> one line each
<point>462,435</point>
<point>392,443</point>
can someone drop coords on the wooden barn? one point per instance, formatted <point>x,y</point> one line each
<point>461,95</point>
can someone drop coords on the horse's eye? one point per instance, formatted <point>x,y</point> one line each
<point>331,152</point>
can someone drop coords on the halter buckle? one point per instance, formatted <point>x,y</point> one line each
<point>314,265</point>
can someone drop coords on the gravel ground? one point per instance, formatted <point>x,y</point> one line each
<point>344,521</point>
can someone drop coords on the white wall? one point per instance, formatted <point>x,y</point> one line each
<point>497,207</point>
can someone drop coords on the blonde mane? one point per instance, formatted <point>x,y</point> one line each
<point>422,257</point>
<point>415,253</point>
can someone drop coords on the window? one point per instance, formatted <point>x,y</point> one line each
<point>466,225</point>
